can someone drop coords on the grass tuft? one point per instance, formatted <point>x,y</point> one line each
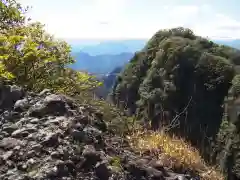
<point>173,152</point>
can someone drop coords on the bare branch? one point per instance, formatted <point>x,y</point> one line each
<point>175,122</point>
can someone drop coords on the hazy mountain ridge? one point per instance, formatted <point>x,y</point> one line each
<point>111,47</point>
<point>235,43</point>
<point>98,56</point>
<point>97,47</point>
<point>100,64</point>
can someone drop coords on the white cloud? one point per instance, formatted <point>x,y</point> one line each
<point>125,19</point>
<point>108,10</point>
<point>220,26</point>
<point>203,20</point>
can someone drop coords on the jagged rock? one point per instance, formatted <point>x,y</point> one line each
<point>92,134</point>
<point>51,105</point>
<point>10,116</point>
<point>181,177</point>
<point>103,171</point>
<point>91,157</point>
<point>37,147</point>
<point>7,155</point>
<point>9,143</point>
<point>9,128</point>
<point>77,126</point>
<point>139,170</point>
<point>64,168</point>
<point>24,132</point>
<point>78,135</point>
<point>34,121</point>
<point>50,140</point>
<point>45,92</point>
<point>90,152</point>
<point>30,162</point>
<point>55,155</point>
<point>56,120</point>
<point>9,95</point>
<point>157,164</point>
<point>21,105</point>
<point>22,121</point>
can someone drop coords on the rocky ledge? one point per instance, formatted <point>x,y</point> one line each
<point>48,136</point>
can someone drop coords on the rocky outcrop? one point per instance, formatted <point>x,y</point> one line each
<point>9,94</point>
<point>48,136</point>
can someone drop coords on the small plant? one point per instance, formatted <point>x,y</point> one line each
<point>116,163</point>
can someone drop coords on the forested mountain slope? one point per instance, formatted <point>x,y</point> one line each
<point>179,82</point>
<point>176,66</point>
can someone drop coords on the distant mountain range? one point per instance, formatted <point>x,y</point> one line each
<point>115,47</point>
<point>100,64</point>
<point>111,47</point>
<point>102,57</point>
<point>99,47</point>
<point>108,82</point>
<point>235,43</point>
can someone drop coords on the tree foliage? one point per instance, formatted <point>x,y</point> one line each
<point>11,14</point>
<point>235,89</point>
<point>32,57</point>
<point>175,70</point>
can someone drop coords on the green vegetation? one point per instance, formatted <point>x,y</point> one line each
<point>33,58</point>
<point>179,82</point>
<point>235,89</point>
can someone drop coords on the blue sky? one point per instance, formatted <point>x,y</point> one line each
<point>121,19</point>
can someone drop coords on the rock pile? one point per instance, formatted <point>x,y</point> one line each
<point>48,136</point>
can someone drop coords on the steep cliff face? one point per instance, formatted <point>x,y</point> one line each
<point>178,80</point>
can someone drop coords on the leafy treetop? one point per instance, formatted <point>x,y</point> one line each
<point>33,58</point>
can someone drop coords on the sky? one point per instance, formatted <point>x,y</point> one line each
<point>133,19</point>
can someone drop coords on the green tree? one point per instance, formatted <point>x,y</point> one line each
<point>33,58</point>
<point>11,14</point>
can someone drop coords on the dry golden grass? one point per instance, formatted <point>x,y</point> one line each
<point>173,152</point>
